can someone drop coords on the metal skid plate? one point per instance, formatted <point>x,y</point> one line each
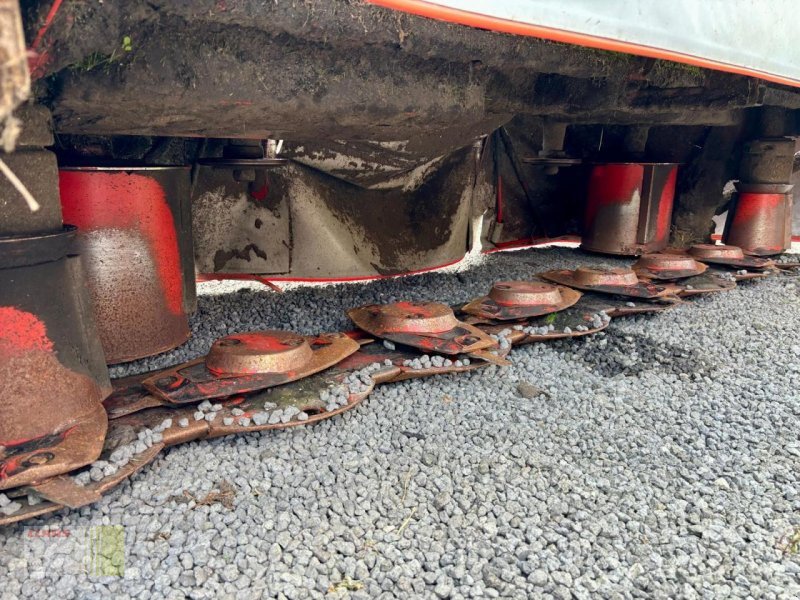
<point>703,284</point>
<point>302,396</point>
<point>668,266</point>
<point>513,300</point>
<point>428,326</point>
<point>744,274</point>
<point>787,266</point>
<point>195,381</point>
<point>730,256</point>
<point>580,315</point>
<point>621,306</point>
<point>400,357</point>
<point>621,282</point>
<point>565,324</point>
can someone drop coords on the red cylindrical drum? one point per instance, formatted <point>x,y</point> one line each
<point>629,208</point>
<point>760,222</point>
<point>135,235</point>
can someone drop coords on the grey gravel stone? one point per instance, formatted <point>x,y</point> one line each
<point>10,508</point>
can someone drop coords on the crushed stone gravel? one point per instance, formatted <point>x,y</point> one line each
<point>659,458</point>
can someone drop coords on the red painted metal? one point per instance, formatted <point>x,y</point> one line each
<point>629,208</point>
<point>130,223</point>
<point>38,58</point>
<point>22,332</point>
<point>475,19</point>
<point>760,223</point>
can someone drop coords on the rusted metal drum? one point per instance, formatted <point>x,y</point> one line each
<point>135,235</point>
<point>53,376</point>
<point>767,160</point>
<point>629,208</point>
<point>760,219</point>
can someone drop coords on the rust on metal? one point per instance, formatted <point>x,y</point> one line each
<point>629,208</point>
<point>743,274</point>
<point>135,238</point>
<point>195,382</point>
<point>51,367</point>
<point>616,306</point>
<point>667,266</point>
<point>703,284</point>
<point>759,222</point>
<point>302,397</point>
<point>62,491</point>
<point>576,321</point>
<point>125,430</point>
<point>731,256</point>
<point>621,281</point>
<point>130,396</point>
<point>512,300</point>
<point>259,352</point>
<point>429,326</point>
<point>787,266</point>
<point>491,356</point>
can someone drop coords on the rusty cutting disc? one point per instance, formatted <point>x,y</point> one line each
<point>195,381</point>
<point>512,300</point>
<point>52,418</point>
<point>731,256</point>
<point>23,461</point>
<point>429,326</point>
<point>237,414</point>
<point>575,321</point>
<point>62,491</point>
<point>667,266</point>
<point>259,352</point>
<point>620,281</point>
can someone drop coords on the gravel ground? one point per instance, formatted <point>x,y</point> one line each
<point>661,459</point>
